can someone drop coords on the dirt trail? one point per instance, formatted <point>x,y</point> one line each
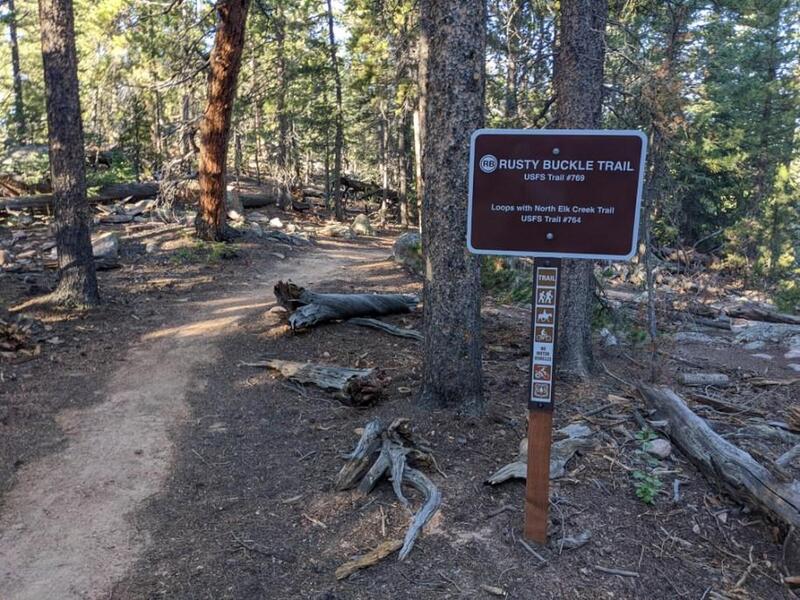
<point>65,530</point>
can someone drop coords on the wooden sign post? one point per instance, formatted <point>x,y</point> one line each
<point>552,194</point>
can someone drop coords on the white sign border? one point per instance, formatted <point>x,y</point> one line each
<point>585,132</point>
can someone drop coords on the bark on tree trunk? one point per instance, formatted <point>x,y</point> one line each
<point>579,91</point>
<point>19,105</point>
<point>402,167</point>
<point>452,106</point>
<point>283,158</point>
<point>77,282</point>
<point>226,58</point>
<point>338,141</point>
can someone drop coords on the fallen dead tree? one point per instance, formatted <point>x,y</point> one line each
<point>107,193</point>
<point>354,387</point>
<point>383,451</point>
<point>309,308</point>
<point>736,471</point>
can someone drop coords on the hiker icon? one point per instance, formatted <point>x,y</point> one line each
<point>545,297</point>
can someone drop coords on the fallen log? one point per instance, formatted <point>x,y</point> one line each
<point>396,446</point>
<point>753,312</point>
<point>721,462</point>
<point>355,387</point>
<point>111,192</point>
<point>309,308</point>
<point>701,379</point>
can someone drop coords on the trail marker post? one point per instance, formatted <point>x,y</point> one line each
<point>549,195</point>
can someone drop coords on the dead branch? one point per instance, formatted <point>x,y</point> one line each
<point>387,327</point>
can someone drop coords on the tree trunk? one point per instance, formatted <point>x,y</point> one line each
<point>579,91</point>
<point>418,185</point>
<point>338,141</point>
<point>19,105</point>
<point>453,33</point>
<point>226,58</point>
<point>77,282</point>
<point>283,158</point>
<point>402,167</point>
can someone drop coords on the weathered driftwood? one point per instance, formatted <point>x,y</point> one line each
<point>309,308</point>
<point>387,327</point>
<point>372,557</point>
<point>700,379</point>
<point>396,445</point>
<point>357,387</point>
<point>788,457</point>
<point>358,461</point>
<point>560,453</point>
<point>723,463</point>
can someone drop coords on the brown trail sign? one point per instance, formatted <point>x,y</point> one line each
<point>552,194</point>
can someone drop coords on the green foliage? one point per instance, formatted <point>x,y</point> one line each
<point>506,280</point>
<point>646,482</point>
<point>205,252</point>
<point>647,486</point>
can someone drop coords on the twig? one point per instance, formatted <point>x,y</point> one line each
<point>620,572</point>
<point>527,547</point>
<point>501,510</point>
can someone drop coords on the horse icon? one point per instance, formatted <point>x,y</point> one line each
<point>545,316</point>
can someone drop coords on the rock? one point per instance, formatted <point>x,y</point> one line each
<point>407,251</point>
<point>106,246</point>
<point>794,367</point>
<point>608,338</point>
<point>752,331</point>
<point>574,430</point>
<point>337,230</point>
<point>756,345</point>
<point>660,448</point>
<point>762,356</point>
<point>573,541</point>
<point>692,337</point>
<point>276,223</point>
<point>278,310</point>
<point>291,228</point>
<point>235,215</point>
<point>6,258</point>
<point>256,230</point>
<point>151,247</point>
<point>362,226</point>
<point>257,217</point>
<point>793,352</point>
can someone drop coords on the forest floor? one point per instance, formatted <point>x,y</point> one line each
<point>139,459</point>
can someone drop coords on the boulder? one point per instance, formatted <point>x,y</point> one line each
<point>692,337</point>
<point>659,448</point>
<point>106,246</point>
<point>407,251</point>
<point>276,223</point>
<point>337,230</point>
<point>362,226</point>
